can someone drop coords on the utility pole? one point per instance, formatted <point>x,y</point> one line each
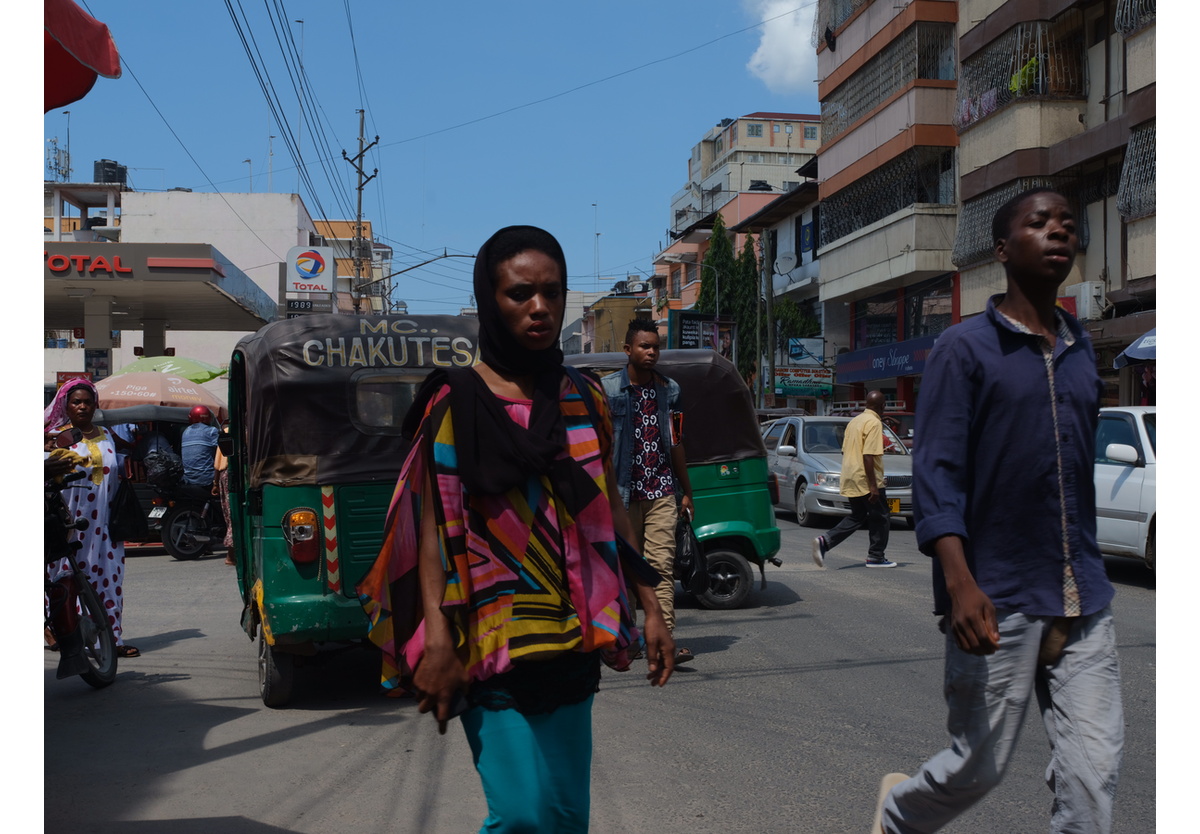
<point>363,179</point>
<point>758,320</point>
<point>270,162</point>
<point>768,270</point>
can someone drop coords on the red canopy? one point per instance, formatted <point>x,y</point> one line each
<point>77,49</point>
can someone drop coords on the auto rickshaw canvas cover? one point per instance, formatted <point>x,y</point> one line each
<point>300,381</point>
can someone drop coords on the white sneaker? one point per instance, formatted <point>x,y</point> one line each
<point>819,549</point>
<point>885,787</point>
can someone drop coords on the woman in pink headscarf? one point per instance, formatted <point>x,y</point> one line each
<point>100,558</point>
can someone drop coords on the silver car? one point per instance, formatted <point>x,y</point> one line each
<point>805,455</point>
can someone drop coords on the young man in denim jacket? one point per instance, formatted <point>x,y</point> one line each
<point>648,458</point>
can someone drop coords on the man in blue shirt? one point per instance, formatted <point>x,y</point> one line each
<point>648,457</point>
<point>198,448</point>
<point>1005,505</point>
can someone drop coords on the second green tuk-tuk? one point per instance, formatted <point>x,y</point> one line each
<point>316,406</point>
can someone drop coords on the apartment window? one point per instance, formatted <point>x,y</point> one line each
<point>875,321</point>
<point>754,130</point>
<point>673,289</point>
<point>921,175</point>
<point>928,307</point>
<point>973,242</point>
<point>775,129</point>
<point>1038,59</point>
<point>1136,196</point>
<point>1133,15</point>
<point>810,132</point>
<point>691,273</point>
<point>923,51</point>
<point>788,129</point>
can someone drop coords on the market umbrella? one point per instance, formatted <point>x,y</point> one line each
<point>1142,350</point>
<point>192,369</point>
<point>77,48</point>
<point>150,388</point>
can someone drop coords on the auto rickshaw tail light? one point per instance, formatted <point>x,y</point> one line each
<point>302,534</point>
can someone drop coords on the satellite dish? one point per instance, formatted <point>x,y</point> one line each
<point>785,263</point>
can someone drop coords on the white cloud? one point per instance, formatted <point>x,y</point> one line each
<point>785,60</point>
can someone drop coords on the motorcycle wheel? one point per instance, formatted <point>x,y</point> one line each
<point>180,527</point>
<point>729,580</point>
<point>99,645</point>
<point>276,671</point>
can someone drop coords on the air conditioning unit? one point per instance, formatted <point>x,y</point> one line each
<point>635,286</point>
<point>1089,299</point>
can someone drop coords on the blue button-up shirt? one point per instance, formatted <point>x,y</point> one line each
<point>618,388</point>
<point>1004,460</point>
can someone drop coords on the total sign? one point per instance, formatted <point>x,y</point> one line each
<point>311,269</point>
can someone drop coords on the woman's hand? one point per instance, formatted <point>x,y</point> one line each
<point>441,683</point>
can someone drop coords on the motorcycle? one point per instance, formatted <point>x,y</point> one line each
<point>76,619</point>
<point>190,520</point>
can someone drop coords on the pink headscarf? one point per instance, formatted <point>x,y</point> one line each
<point>55,414</point>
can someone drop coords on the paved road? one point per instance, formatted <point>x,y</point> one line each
<point>791,712</point>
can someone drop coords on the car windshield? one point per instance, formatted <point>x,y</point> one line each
<point>1148,420</point>
<point>824,437</point>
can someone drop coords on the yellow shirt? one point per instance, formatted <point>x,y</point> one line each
<point>864,436</point>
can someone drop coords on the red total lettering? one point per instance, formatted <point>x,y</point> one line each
<point>80,262</point>
<point>99,264</point>
<point>117,267</point>
<point>58,263</point>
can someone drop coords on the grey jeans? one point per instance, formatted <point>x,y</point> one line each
<point>1080,700</point>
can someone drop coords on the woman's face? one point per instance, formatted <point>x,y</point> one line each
<point>531,300</point>
<point>81,406</point>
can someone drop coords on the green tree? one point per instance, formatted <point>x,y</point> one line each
<point>717,272</point>
<point>792,322</point>
<point>744,303</point>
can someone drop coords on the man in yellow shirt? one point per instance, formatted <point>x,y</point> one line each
<point>862,483</point>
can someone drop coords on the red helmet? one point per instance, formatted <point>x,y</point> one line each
<point>199,414</point>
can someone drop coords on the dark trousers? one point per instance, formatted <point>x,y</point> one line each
<point>874,515</point>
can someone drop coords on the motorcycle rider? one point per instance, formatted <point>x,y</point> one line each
<point>198,448</point>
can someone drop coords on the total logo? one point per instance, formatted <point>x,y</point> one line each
<point>310,264</point>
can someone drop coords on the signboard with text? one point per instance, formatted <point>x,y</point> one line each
<point>808,381</point>
<point>310,269</point>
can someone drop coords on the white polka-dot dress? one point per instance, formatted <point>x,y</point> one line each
<point>100,560</point>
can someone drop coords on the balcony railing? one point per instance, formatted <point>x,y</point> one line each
<point>924,50</point>
<point>831,14</point>
<point>920,175</point>
<point>1133,15</point>
<point>1136,193</point>
<point>1039,59</point>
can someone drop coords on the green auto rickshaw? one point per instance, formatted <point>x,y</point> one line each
<point>316,406</point>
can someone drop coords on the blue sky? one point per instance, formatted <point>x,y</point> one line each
<point>488,114</point>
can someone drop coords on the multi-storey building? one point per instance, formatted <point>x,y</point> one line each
<point>933,114</point>
<point>737,168</point>
<point>887,74</point>
<point>1063,94</point>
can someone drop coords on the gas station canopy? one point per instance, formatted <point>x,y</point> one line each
<point>189,286</point>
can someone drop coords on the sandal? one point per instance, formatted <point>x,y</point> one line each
<point>684,656</point>
<point>128,651</point>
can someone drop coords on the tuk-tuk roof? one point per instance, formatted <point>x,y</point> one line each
<point>294,384</point>
<point>719,422</point>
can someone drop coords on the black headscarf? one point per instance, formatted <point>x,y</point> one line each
<point>494,453</point>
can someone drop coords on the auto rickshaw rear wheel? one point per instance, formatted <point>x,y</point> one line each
<point>729,581</point>
<point>276,671</point>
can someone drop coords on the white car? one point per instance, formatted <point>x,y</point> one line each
<point>1125,476</point>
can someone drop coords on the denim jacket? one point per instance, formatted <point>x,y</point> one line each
<point>620,403</point>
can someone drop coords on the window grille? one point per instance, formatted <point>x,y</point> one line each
<point>924,50</point>
<point>1136,192</point>
<point>1038,60</point>
<point>1133,15</point>
<point>831,14</point>
<point>921,175</point>
<point>973,244</point>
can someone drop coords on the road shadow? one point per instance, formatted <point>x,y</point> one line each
<point>1132,573</point>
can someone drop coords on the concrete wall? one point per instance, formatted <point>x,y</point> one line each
<point>905,247</point>
<point>1140,56</point>
<point>1024,124</point>
<point>1141,248</point>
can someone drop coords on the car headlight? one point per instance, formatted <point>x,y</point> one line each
<point>832,480</point>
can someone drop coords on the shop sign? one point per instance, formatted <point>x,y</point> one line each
<point>805,381</point>
<point>898,359</point>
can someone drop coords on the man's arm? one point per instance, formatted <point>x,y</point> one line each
<point>869,468</point>
<point>972,615</point>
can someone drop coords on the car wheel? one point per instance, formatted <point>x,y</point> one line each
<point>729,580</point>
<point>803,517</point>
<point>1150,547</point>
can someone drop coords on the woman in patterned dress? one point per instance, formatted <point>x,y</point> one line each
<point>101,559</point>
<point>502,583</point>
